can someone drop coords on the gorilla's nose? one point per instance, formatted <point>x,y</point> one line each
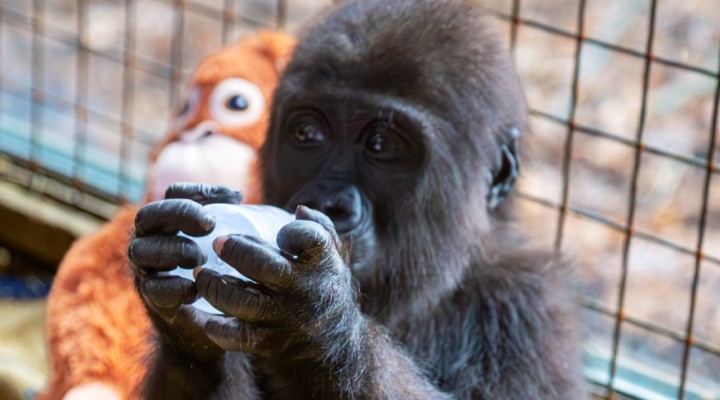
<point>340,201</point>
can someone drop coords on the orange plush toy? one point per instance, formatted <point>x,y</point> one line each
<point>97,328</point>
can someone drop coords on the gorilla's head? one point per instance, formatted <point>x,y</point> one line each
<point>403,130</point>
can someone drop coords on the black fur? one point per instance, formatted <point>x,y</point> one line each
<point>483,317</point>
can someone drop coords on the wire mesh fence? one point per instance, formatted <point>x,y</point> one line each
<point>88,86</point>
<point>622,171</point>
<point>656,316</point>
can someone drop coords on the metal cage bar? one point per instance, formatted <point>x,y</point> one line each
<point>128,99</point>
<point>632,201</point>
<point>81,95</point>
<point>689,340</point>
<point>569,136</point>
<point>176,52</point>
<point>38,66</point>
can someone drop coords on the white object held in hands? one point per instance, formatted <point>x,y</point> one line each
<point>261,221</point>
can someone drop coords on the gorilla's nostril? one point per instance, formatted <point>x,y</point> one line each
<point>336,213</point>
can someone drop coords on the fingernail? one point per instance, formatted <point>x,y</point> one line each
<point>196,272</point>
<point>302,211</point>
<point>218,244</point>
<point>208,222</point>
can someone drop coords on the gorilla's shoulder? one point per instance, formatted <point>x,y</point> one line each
<point>519,275</point>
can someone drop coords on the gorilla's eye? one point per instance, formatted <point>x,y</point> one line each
<point>384,146</point>
<point>237,103</point>
<point>377,143</point>
<point>308,133</point>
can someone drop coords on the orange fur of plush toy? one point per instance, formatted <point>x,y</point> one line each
<point>98,332</point>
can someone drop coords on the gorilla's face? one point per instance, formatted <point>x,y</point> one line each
<point>401,130</point>
<point>351,160</point>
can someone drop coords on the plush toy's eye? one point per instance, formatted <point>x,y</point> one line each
<point>236,102</point>
<point>188,108</point>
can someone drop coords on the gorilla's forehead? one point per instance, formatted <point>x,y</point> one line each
<point>368,82</point>
<point>347,99</point>
<point>438,96</point>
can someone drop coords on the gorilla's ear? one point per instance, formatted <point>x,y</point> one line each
<point>506,171</point>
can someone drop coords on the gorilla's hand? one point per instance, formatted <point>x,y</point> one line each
<point>304,299</point>
<point>156,248</point>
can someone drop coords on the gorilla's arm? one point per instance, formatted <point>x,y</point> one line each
<point>375,367</point>
<point>185,363</point>
<point>174,373</point>
<point>304,324</point>
<point>501,333</point>
<point>480,341</point>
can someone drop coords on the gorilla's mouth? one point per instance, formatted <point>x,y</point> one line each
<point>351,214</point>
<point>361,242</point>
<point>346,206</point>
<point>361,245</point>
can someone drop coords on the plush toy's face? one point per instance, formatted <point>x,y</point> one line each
<point>222,119</point>
<point>205,149</point>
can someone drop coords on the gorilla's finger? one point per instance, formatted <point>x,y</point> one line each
<point>309,241</point>
<point>231,334</point>
<point>255,259</point>
<point>164,253</point>
<point>203,194</point>
<point>165,294</point>
<point>170,216</point>
<point>234,297</point>
<point>308,214</point>
<point>191,322</point>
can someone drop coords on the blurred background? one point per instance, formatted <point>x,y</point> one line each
<point>621,170</point>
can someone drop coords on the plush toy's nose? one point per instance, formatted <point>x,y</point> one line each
<point>199,131</point>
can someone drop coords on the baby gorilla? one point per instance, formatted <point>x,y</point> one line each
<point>393,137</point>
